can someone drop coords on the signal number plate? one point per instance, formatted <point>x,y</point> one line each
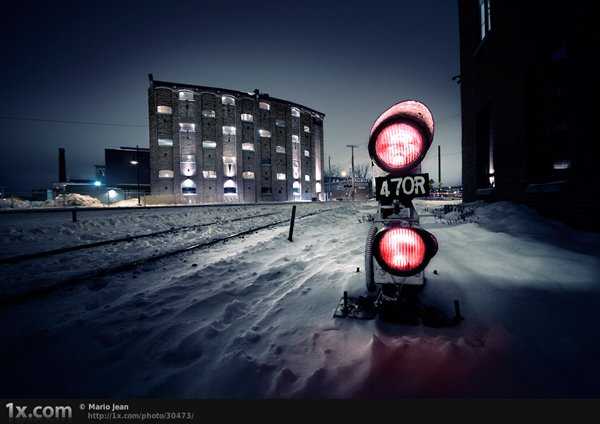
<point>407,187</point>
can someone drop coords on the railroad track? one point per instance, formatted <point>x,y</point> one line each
<point>60,268</point>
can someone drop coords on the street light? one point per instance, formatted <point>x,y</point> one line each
<point>137,164</point>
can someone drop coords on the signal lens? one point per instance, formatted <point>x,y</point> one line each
<point>399,145</point>
<point>402,249</point>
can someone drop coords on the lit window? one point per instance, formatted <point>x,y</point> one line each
<point>307,178</point>
<point>248,175</point>
<point>228,130</point>
<point>296,112</point>
<point>280,149</point>
<point>306,129</point>
<point>187,167</point>
<point>165,142</point>
<point>228,100</point>
<point>229,188</point>
<point>187,127</point>
<point>186,95</point>
<point>264,106</point>
<point>188,187</point>
<point>208,113</point>
<point>484,18</point>
<point>306,153</point>
<point>248,146</point>
<point>209,144</point>
<point>296,189</point>
<point>264,133</point>
<point>562,164</point>
<point>246,117</point>
<point>280,122</point>
<point>295,139</point>
<point>167,110</point>
<point>165,173</point>
<point>188,158</point>
<point>280,176</point>
<point>209,174</point>
<point>318,187</point>
<point>229,167</point>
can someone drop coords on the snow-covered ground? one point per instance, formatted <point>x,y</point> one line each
<point>253,317</point>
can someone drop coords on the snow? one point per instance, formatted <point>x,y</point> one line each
<point>253,317</point>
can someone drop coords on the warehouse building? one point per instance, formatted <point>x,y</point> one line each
<point>214,145</point>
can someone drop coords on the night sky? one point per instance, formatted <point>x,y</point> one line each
<point>75,73</point>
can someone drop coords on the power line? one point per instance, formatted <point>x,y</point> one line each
<point>17,118</point>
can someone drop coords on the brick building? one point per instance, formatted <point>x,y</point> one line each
<point>215,145</point>
<point>528,79</point>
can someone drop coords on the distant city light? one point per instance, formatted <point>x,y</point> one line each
<point>97,183</point>
<point>133,162</point>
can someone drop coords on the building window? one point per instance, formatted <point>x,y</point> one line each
<point>228,100</point>
<point>296,188</point>
<point>280,149</point>
<point>280,122</point>
<point>187,127</point>
<point>265,161</point>
<point>296,112</point>
<point>208,113</point>
<point>186,95</point>
<point>209,144</point>
<point>167,110</point>
<point>307,153</point>
<point>307,178</point>
<point>306,129</point>
<point>248,146</point>
<point>229,188</point>
<point>264,133</point>
<point>264,105</point>
<point>165,173</point>
<point>295,139</point>
<point>188,158</point>
<point>188,187</point>
<point>280,176</point>
<point>165,142</point>
<point>209,174</point>
<point>485,149</point>
<point>248,175</point>
<point>228,130</point>
<point>246,117</point>
<point>484,18</point>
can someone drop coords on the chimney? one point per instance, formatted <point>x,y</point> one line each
<point>62,167</point>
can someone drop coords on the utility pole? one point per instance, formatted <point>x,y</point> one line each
<point>352,146</point>
<point>137,159</point>
<point>328,197</point>
<point>439,167</point>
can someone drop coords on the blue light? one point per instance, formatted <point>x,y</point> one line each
<point>97,183</point>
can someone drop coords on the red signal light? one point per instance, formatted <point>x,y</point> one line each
<point>404,251</point>
<point>401,136</point>
<point>399,145</point>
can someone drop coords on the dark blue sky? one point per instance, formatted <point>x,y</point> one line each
<point>88,61</point>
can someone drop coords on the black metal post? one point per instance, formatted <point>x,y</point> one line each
<point>292,223</point>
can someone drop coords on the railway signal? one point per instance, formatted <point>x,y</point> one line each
<point>397,249</point>
<point>398,142</point>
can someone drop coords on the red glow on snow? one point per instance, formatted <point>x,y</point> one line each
<point>399,145</point>
<point>402,249</point>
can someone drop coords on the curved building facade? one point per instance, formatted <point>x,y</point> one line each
<point>216,145</point>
